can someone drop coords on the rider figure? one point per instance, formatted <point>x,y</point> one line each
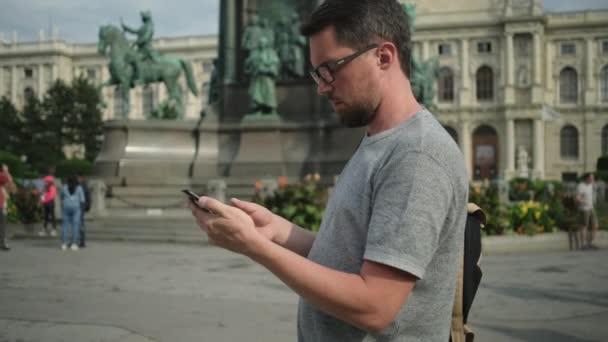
<point>143,44</point>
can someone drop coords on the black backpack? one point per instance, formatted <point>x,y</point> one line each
<point>469,277</point>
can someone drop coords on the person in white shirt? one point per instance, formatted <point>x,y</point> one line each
<point>585,198</point>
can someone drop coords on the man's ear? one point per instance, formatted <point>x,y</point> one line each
<point>387,55</point>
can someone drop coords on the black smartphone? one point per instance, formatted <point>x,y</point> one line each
<point>194,198</point>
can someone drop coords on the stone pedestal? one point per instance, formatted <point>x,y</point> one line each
<point>146,152</point>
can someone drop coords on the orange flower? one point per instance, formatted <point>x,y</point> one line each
<point>35,192</point>
<point>282,181</point>
<point>258,186</point>
<point>317,177</point>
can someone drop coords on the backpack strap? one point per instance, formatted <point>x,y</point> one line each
<point>469,275</point>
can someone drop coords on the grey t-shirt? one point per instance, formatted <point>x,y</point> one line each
<point>400,201</point>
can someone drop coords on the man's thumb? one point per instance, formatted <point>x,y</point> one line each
<point>248,207</point>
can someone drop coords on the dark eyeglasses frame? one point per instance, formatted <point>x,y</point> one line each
<point>332,67</point>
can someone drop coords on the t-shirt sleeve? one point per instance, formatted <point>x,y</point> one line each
<point>411,200</point>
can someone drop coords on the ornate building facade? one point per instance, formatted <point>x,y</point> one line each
<point>523,91</point>
<point>29,68</point>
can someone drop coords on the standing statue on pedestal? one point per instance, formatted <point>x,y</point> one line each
<point>262,68</point>
<point>423,73</point>
<point>143,65</point>
<point>523,161</point>
<point>290,46</point>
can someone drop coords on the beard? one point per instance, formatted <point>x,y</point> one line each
<point>356,116</point>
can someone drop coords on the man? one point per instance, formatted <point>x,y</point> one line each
<point>383,265</point>
<point>6,186</point>
<point>587,217</point>
<point>85,207</point>
<point>144,44</point>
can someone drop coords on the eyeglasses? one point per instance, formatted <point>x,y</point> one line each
<point>325,72</point>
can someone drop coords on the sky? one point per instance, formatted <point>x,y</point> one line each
<point>79,20</point>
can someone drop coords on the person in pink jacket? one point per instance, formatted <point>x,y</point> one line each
<point>48,202</point>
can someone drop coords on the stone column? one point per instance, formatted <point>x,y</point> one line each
<point>40,90</point>
<point>589,94</point>
<point>466,147</point>
<point>425,50</point>
<point>509,67</point>
<point>231,45</point>
<point>589,62</point>
<point>510,148</point>
<point>549,70</point>
<point>510,58</point>
<point>537,89</point>
<point>537,60</point>
<point>539,149</point>
<point>14,84</point>
<point>465,77</point>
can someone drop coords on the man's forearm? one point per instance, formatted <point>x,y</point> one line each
<point>292,237</point>
<point>345,296</point>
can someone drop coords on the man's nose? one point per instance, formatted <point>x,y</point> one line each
<point>323,88</point>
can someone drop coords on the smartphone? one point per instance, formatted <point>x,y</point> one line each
<point>194,198</point>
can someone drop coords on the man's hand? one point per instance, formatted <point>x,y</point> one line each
<point>262,217</point>
<point>228,227</point>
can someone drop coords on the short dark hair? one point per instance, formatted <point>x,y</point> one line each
<point>359,22</point>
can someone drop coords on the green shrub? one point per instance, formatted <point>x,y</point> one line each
<point>302,204</point>
<point>16,167</point>
<point>69,167</point>
<point>27,203</point>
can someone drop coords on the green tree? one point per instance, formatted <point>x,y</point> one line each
<point>10,127</point>
<point>88,125</point>
<point>39,140</point>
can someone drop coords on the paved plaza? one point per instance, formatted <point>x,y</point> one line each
<point>132,292</point>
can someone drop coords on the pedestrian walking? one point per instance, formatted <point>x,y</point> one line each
<point>48,205</point>
<point>72,200</point>
<point>7,186</point>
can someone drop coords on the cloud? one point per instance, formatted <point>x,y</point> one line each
<point>78,20</point>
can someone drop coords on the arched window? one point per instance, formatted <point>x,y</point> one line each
<point>569,142</point>
<point>568,86</point>
<point>605,141</point>
<point>147,100</point>
<point>452,132</point>
<point>446,85</point>
<point>485,84</point>
<point>28,93</point>
<point>604,84</point>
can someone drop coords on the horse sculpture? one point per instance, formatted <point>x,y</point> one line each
<point>160,69</point>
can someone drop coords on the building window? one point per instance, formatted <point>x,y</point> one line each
<point>568,49</point>
<point>29,73</point>
<point>569,142</point>
<point>605,141</point>
<point>446,85</point>
<point>484,47</point>
<point>568,86</point>
<point>485,84</point>
<point>91,74</point>
<point>445,49</point>
<point>605,47</point>
<point>28,93</point>
<point>604,84</point>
